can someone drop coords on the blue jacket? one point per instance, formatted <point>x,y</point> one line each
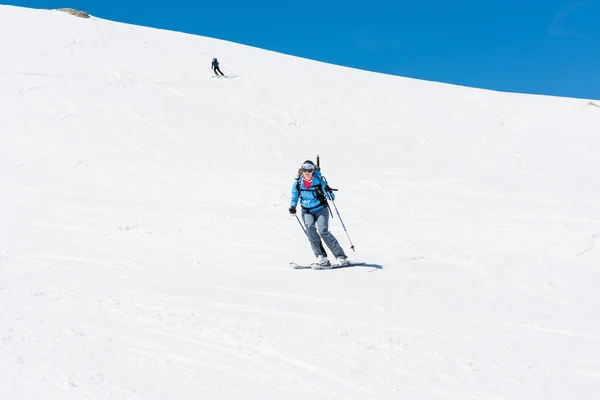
<point>309,199</point>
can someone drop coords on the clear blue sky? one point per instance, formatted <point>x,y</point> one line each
<point>528,46</point>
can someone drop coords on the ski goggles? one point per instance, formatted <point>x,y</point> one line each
<point>306,167</point>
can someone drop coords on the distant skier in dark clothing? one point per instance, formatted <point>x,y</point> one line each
<point>215,67</point>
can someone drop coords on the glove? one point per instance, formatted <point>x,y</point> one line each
<point>292,210</point>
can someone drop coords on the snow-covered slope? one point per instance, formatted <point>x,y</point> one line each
<point>145,235</point>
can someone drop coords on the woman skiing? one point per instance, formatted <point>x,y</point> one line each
<point>312,190</point>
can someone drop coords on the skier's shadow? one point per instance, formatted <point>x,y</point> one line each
<point>363,265</point>
<point>369,265</point>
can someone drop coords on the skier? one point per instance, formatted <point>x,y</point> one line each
<point>215,67</point>
<point>312,190</point>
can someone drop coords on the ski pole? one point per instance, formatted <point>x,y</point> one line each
<point>344,226</point>
<point>301,226</point>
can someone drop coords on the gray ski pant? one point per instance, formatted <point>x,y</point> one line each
<point>320,218</point>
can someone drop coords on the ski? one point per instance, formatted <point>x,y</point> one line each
<point>319,267</point>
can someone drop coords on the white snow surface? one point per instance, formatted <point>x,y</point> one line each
<point>145,234</point>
